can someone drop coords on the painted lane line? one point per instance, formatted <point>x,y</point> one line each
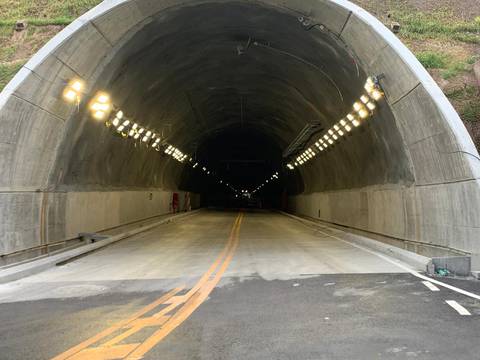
<point>178,308</point>
<point>460,309</point>
<point>401,266</point>
<point>429,285</point>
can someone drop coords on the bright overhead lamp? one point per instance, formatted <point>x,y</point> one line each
<point>376,94</point>
<point>363,113</point>
<point>73,91</point>
<point>100,106</point>
<point>357,106</point>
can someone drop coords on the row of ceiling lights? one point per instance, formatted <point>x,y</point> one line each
<point>362,110</point>
<point>274,177</point>
<point>101,108</point>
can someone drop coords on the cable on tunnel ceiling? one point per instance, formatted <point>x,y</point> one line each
<point>267,46</point>
<point>307,26</point>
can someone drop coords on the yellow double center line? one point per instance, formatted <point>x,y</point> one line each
<point>172,310</point>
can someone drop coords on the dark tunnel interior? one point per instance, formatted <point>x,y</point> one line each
<point>234,86</point>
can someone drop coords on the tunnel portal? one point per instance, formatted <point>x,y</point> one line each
<point>310,106</point>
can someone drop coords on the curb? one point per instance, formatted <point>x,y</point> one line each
<point>33,267</point>
<point>418,262</point>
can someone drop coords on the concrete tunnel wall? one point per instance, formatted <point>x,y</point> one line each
<point>411,174</point>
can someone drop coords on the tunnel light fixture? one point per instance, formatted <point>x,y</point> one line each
<point>74,90</point>
<point>377,95</point>
<point>372,86</point>
<point>363,113</point>
<point>100,106</point>
<point>363,108</point>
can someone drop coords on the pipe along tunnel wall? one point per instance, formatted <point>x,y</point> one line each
<point>253,73</point>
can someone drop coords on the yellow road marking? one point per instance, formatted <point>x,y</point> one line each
<point>184,305</point>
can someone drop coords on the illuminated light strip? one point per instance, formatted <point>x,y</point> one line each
<point>101,108</point>
<point>362,110</point>
<point>275,176</point>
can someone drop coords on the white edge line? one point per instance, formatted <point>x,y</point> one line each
<point>429,285</point>
<point>401,266</point>
<point>459,308</point>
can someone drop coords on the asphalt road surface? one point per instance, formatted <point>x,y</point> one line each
<point>229,285</point>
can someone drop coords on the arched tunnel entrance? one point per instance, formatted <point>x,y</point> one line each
<point>269,98</point>
<point>143,108</point>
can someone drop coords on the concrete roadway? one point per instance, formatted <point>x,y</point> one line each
<point>221,286</point>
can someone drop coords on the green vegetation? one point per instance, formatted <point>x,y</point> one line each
<point>44,12</point>
<point>432,60</point>
<point>450,67</point>
<point>461,94</point>
<point>454,69</point>
<point>44,18</point>
<point>471,111</point>
<point>437,25</point>
<point>7,72</point>
<point>467,102</point>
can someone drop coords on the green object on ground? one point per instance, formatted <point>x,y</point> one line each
<point>442,272</point>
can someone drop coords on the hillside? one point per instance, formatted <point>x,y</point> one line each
<point>443,34</point>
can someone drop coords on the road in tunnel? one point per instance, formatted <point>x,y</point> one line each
<point>285,291</point>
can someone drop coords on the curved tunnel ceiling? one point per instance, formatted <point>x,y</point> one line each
<point>232,84</point>
<point>198,70</point>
